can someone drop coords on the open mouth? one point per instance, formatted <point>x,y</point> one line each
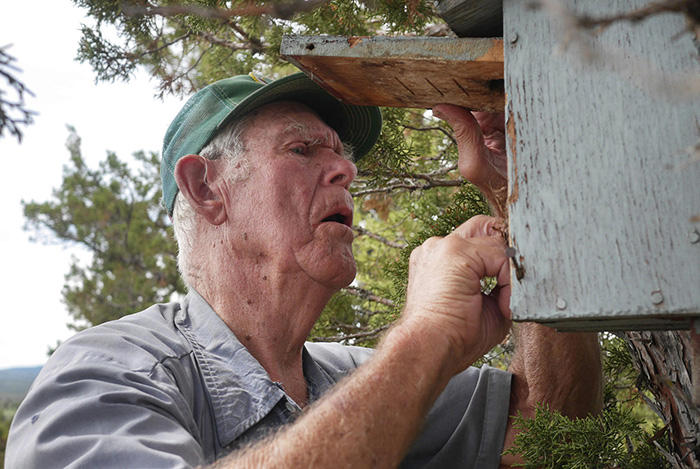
<point>337,218</point>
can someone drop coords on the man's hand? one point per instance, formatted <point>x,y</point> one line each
<point>482,150</point>
<point>444,289</point>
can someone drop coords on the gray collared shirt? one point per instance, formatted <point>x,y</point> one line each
<point>173,387</point>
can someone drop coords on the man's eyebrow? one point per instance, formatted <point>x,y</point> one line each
<point>302,130</point>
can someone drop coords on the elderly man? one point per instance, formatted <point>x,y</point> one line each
<point>256,177</point>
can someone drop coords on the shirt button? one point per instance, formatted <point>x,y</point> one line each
<point>291,407</point>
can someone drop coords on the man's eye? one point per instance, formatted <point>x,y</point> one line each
<point>299,150</point>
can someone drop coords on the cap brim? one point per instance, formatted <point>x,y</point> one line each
<point>358,126</point>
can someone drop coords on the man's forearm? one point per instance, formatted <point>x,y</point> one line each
<point>561,370</point>
<point>369,420</point>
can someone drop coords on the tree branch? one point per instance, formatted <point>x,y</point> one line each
<point>166,44</point>
<point>412,187</point>
<point>255,42</point>
<point>444,131</point>
<point>368,295</point>
<point>368,313</point>
<point>13,114</point>
<point>360,335</point>
<point>210,38</point>
<point>363,232</point>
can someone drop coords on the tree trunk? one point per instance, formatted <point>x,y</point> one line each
<point>664,360</point>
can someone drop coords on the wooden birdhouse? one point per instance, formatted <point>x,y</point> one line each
<point>603,133</point>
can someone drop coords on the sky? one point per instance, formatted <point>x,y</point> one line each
<point>118,117</point>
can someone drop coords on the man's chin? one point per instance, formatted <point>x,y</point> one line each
<point>344,278</point>
<point>332,264</point>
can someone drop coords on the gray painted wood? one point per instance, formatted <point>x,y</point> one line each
<point>473,18</point>
<point>603,211</point>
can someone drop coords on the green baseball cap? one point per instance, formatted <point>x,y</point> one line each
<point>222,102</point>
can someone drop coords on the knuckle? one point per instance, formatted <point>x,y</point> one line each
<point>481,219</point>
<point>431,243</point>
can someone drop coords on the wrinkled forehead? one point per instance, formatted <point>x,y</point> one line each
<point>285,117</point>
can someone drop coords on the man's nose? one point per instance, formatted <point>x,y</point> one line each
<point>342,172</point>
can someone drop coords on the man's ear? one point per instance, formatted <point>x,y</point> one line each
<point>193,174</point>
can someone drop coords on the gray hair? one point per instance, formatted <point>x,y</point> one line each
<point>227,145</point>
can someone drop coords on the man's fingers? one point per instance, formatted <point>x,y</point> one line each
<point>475,160</point>
<point>491,250</point>
<point>482,255</point>
<point>491,121</point>
<point>485,256</point>
<point>479,225</point>
<point>452,113</point>
<point>466,128</point>
<point>500,317</point>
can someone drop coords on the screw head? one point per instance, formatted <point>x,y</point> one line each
<point>694,237</point>
<point>561,303</point>
<point>657,297</point>
<point>513,38</point>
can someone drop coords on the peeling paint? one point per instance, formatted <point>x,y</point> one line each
<point>355,40</point>
<point>512,139</point>
<point>470,49</point>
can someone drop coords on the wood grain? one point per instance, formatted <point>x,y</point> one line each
<point>415,72</point>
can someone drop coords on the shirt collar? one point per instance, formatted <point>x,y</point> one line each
<point>240,390</point>
<point>318,380</point>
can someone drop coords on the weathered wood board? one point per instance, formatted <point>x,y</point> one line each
<point>472,18</point>
<point>604,198</point>
<point>416,72</point>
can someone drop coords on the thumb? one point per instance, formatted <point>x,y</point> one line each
<point>465,126</point>
<point>473,152</point>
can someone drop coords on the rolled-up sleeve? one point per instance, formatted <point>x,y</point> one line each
<point>89,410</point>
<point>466,426</point>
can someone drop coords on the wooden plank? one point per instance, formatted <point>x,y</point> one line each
<point>473,18</point>
<point>415,72</point>
<point>603,196</point>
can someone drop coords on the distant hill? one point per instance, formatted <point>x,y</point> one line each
<point>15,382</point>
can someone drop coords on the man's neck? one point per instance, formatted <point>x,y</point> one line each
<point>272,315</point>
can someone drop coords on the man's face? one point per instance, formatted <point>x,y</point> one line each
<point>293,214</point>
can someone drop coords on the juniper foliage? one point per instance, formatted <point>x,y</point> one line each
<point>624,435</point>
<point>614,439</point>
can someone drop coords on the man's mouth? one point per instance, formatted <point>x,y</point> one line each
<point>338,218</point>
<point>337,211</point>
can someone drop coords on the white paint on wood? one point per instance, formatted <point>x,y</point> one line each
<point>602,197</point>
